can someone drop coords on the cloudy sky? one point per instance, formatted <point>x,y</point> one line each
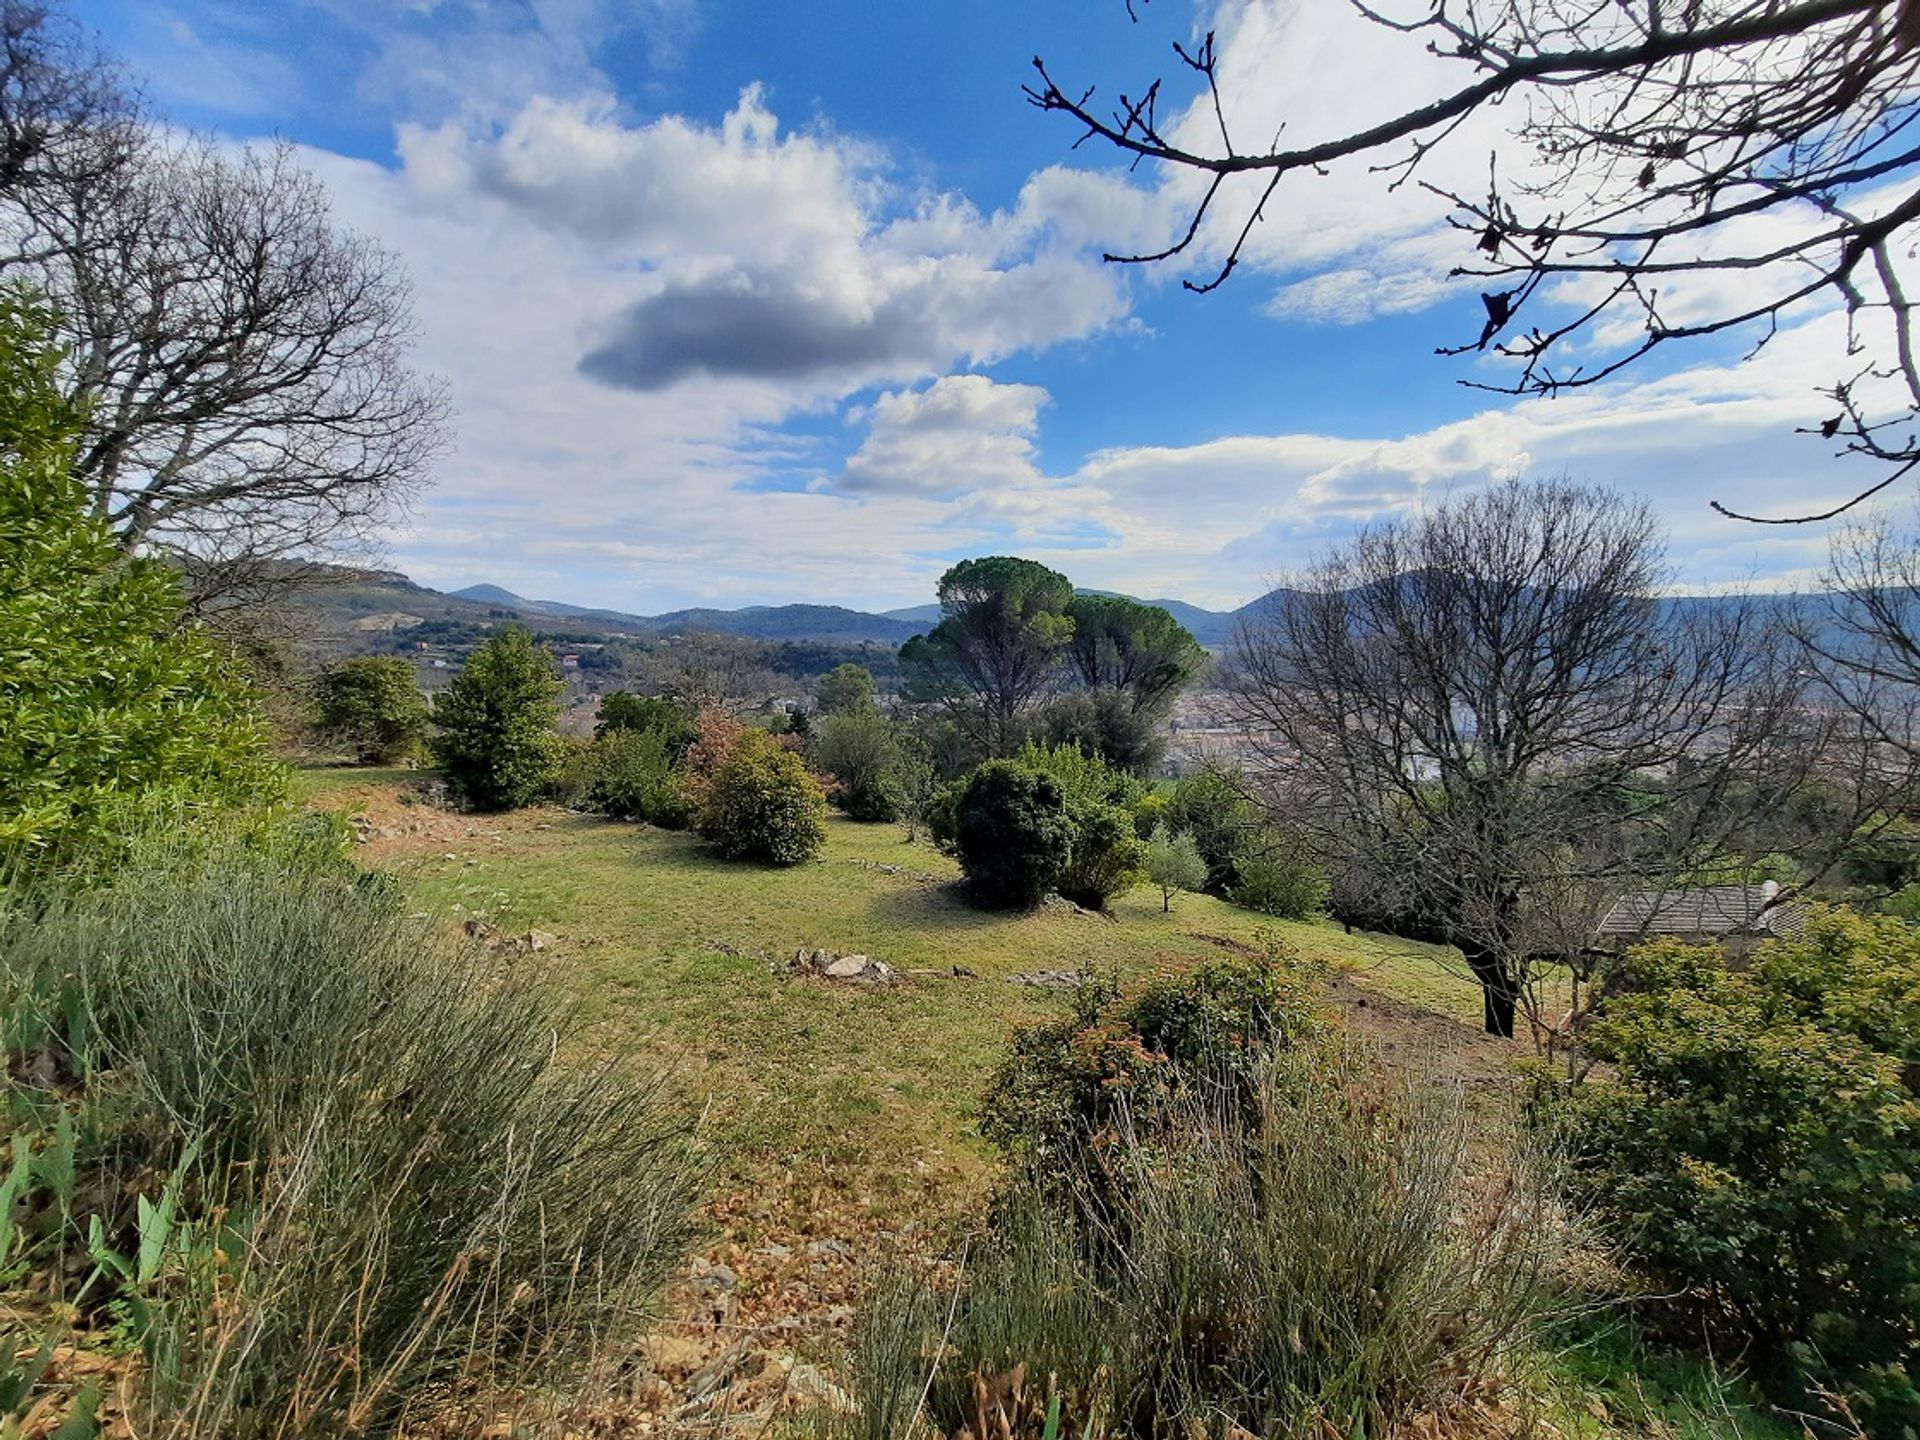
<point>744,302</point>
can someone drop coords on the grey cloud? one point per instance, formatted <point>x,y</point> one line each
<point>730,327</point>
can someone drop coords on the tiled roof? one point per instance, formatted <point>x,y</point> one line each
<point>1702,910</point>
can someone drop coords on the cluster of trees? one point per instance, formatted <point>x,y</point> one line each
<point>491,734</point>
<point>1018,654</point>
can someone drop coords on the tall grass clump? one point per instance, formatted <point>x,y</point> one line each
<point>332,1175</point>
<point>1320,1248</point>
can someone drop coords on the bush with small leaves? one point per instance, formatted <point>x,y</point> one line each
<point>1116,1061</point>
<point>496,746</point>
<point>1104,855</point>
<point>628,775</point>
<point>1211,806</point>
<point>1754,1152</point>
<point>1174,865</point>
<point>372,704</point>
<point>1012,835</point>
<point>860,748</point>
<point>763,804</point>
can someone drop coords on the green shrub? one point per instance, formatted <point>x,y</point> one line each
<point>496,745</point>
<point>1173,865</point>
<point>628,775</point>
<point>1211,806</point>
<point>316,1163</point>
<point>112,707</point>
<point>622,710</point>
<point>1012,835</point>
<point>1067,1085</point>
<point>1278,879</point>
<point>1104,856</point>
<point>373,705</point>
<point>1321,1262</point>
<point>860,749</point>
<point>1755,1148</point>
<point>764,805</point>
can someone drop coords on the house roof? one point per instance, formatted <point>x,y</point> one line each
<point>1703,910</point>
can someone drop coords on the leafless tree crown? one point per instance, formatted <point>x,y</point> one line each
<point>1488,709</point>
<point>243,358</point>
<point>1658,146</point>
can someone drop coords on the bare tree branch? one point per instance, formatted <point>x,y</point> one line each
<point>1651,142</point>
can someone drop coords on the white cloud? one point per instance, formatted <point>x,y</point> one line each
<point>961,435</point>
<point>785,258</point>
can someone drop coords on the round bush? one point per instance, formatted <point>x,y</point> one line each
<point>764,805</point>
<point>1012,834</point>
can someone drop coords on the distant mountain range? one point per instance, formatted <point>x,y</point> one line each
<point>366,598</point>
<point>822,622</point>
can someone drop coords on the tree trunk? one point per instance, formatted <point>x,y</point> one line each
<point>1499,993</point>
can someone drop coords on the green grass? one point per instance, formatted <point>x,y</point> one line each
<point>662,946</point>
<point>831,1108</point>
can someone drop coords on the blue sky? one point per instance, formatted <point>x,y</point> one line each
<point>746,303</point>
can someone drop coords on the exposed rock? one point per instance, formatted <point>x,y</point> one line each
<point>1049,979</point>
<point>839,1248</point>
<point>961,972</point>
<point>847,969</point>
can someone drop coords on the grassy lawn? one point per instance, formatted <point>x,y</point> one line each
<point>668,950</point>
<point>837,1114</point>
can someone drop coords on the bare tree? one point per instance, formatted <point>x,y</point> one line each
<point>244,359</point>
<point>1652,145</point>
<point>1488,721</point>
<point>1861,641</point>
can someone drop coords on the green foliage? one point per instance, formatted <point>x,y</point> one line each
<point>1279,879</point>
<point>845,688</point>
<point>1320,1261</point>
<point>313,1162</point>
<point>112,707</point>
<point>1174,864</point>
<point>1002,631</point>
<point>1104,722</point>
<point>628,775</point>
<point>1210,806</point>
<point>623,710</point>
<point>861,749</point>
<point>1012,835</point>
<point>496,745</point>
<point>763,804</point>
<point>373,704</point>
<point>1084,777</point>
<point>1756,1147</point>
<point>1138,650</point>
<point>1104,855</point>
<point>1067,1086</point>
